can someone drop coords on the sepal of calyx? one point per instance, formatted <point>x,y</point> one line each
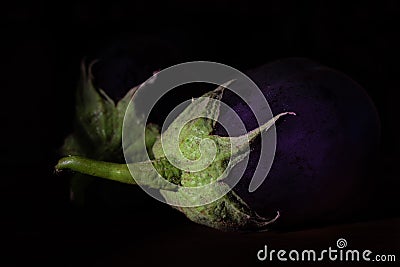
<point>98,130</point>
<point>98,122</point>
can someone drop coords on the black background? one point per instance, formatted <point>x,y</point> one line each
<point>42,44</point>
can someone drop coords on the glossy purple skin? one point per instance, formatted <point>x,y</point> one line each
<point>322,154</point>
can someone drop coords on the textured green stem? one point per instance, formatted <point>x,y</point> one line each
<point>106,170</point>
<point>146,172</point>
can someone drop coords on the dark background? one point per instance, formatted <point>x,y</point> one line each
<point>42,44</point>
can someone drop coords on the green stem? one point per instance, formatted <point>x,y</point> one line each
<point>145,172</point>
<point>106,170</point>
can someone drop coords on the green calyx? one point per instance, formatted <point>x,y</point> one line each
<point>188,155</point>
<point>98,130</point>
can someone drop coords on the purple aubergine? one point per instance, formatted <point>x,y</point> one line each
<point>322,155</point>
<point>319,173</point>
